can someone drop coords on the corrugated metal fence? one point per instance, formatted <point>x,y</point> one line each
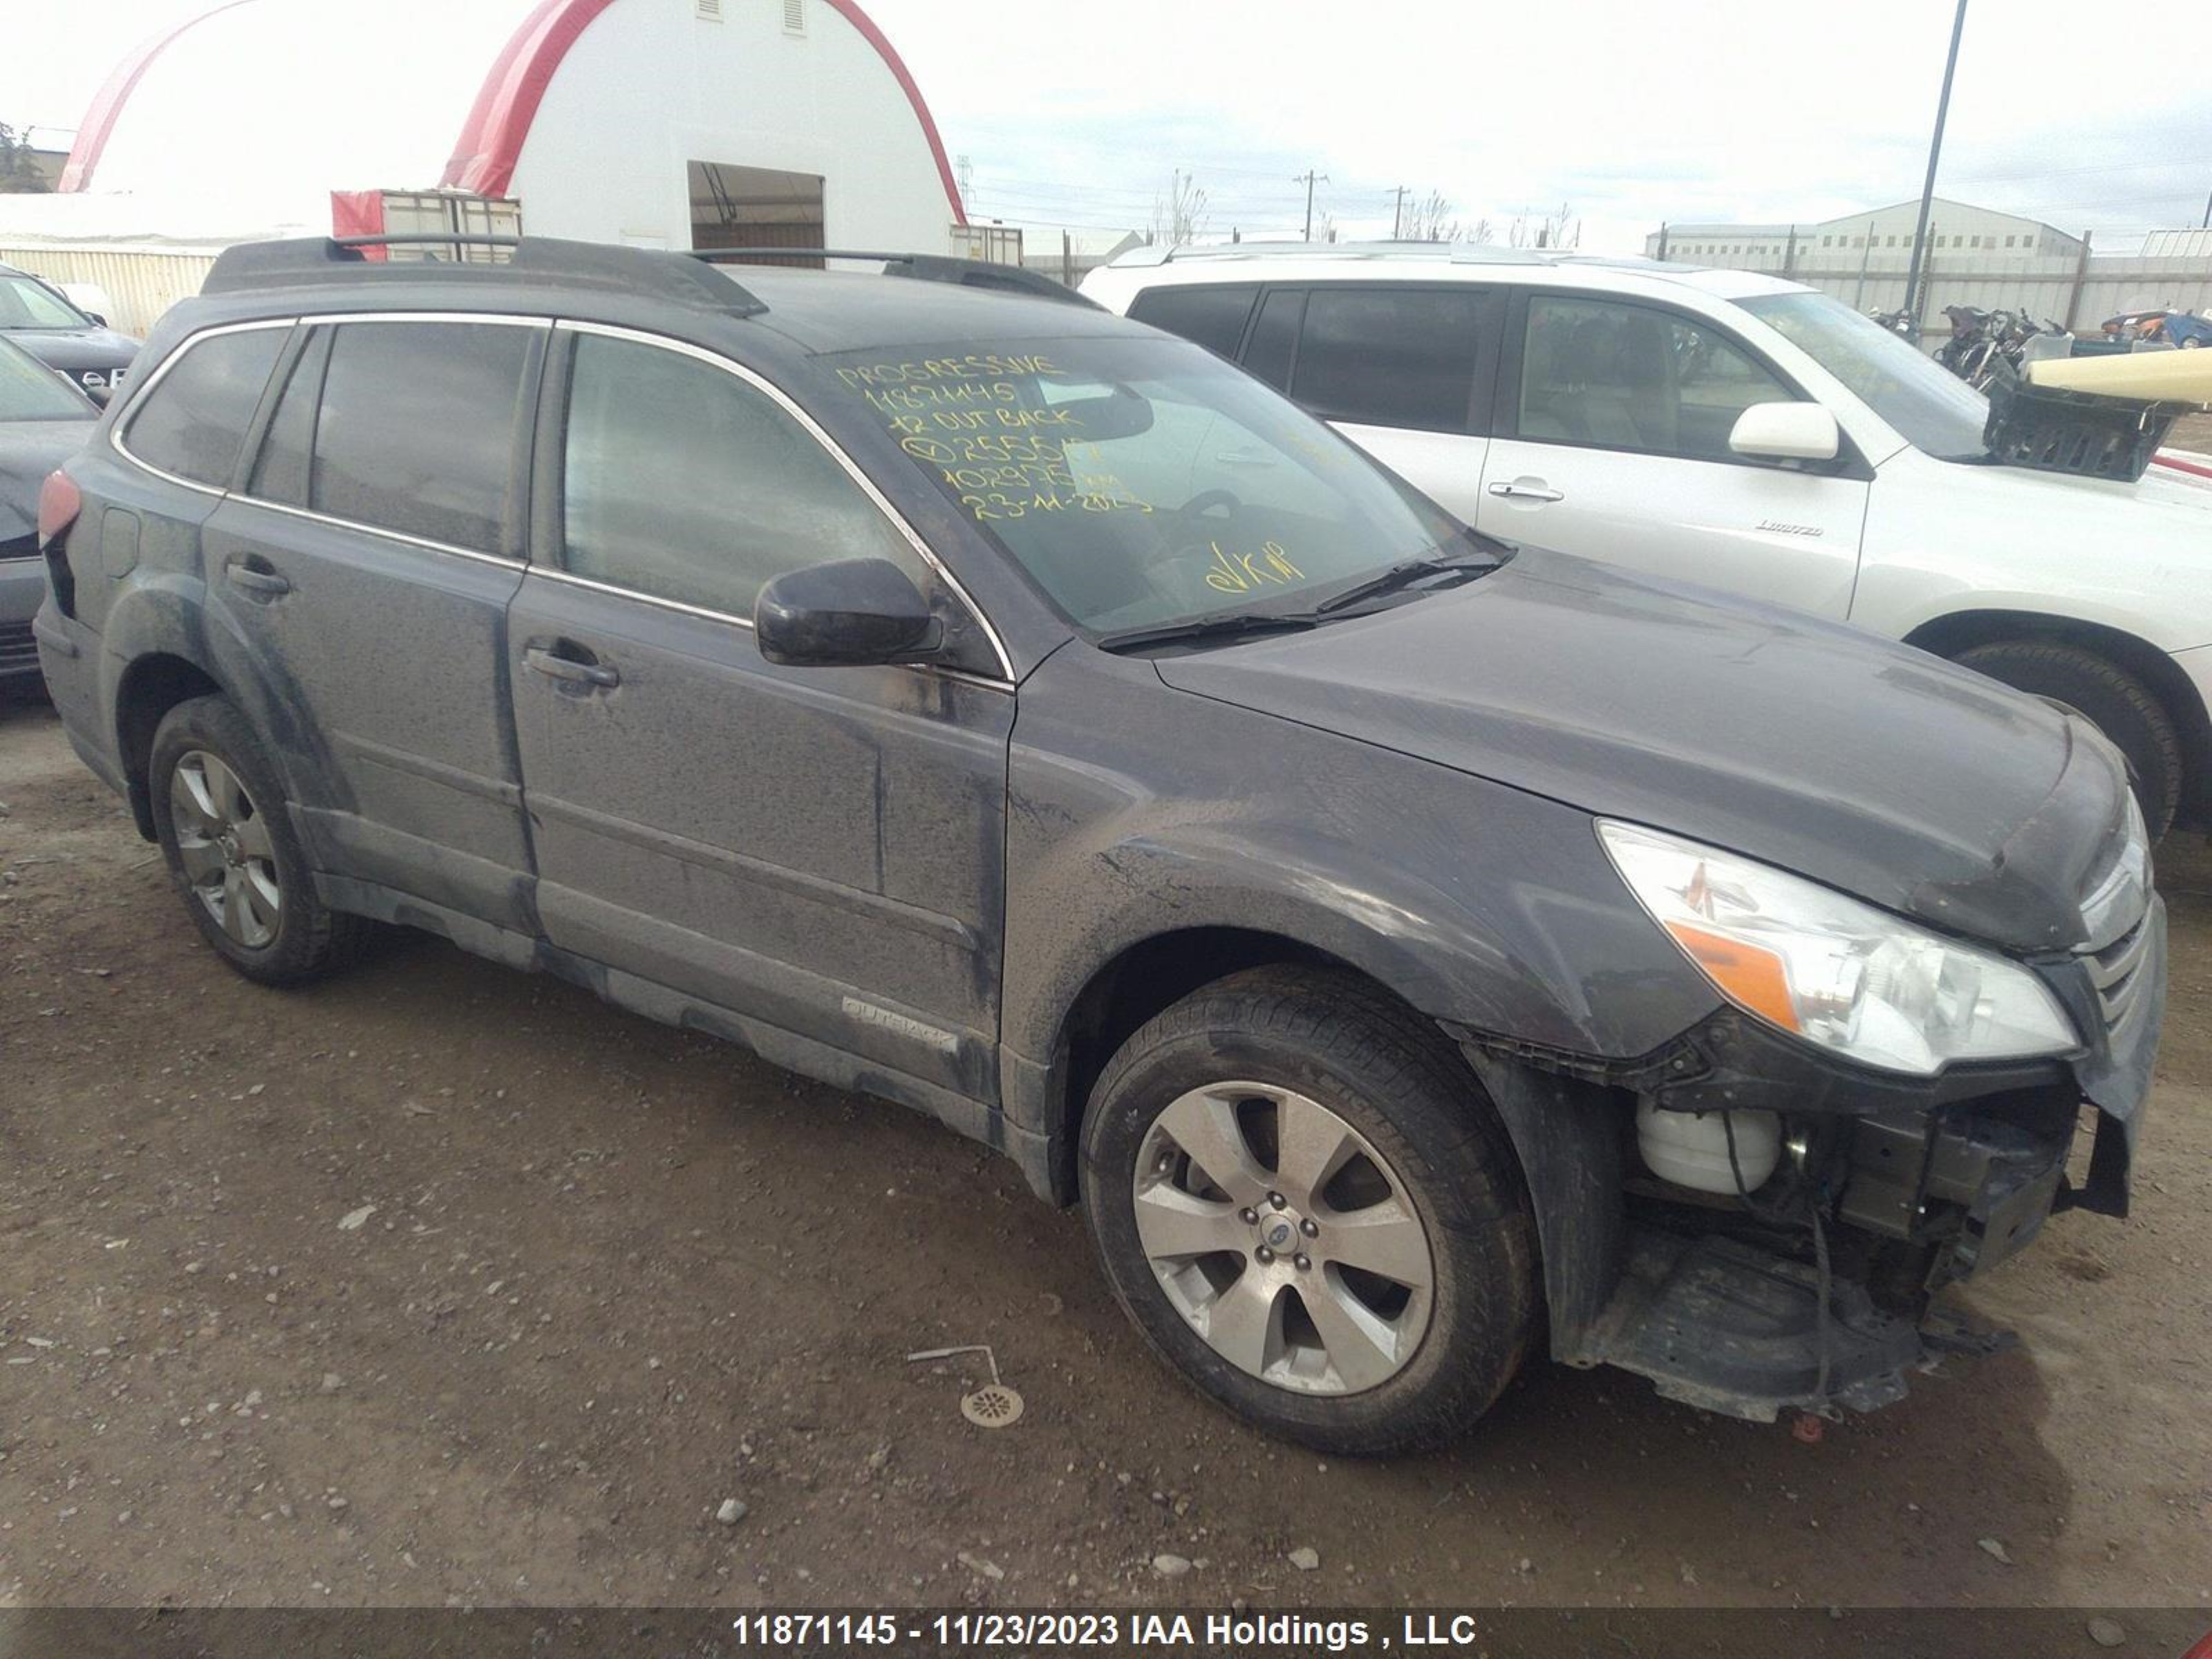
<point>2079,292</point>
<point>140,282</point>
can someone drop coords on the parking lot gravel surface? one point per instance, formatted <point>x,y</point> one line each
<point>442,1284</point>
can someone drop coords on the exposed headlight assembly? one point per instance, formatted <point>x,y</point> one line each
<point>1866,984</point>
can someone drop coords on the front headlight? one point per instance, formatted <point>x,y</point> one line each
<point>1854,979</point>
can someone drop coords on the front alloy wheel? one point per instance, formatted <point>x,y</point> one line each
<point>1304,1202</point>
<point>1283,1238</point>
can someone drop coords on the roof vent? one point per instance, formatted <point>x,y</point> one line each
<point>794,16</point>
<point>710,11</point>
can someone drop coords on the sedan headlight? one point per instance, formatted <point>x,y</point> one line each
<point>1867,984</point>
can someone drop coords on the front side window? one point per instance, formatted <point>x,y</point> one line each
<point>1213,317</point>
<point>681,481</point>
<point>192,421</point>
<point>1606,375</point>
<point>416,431</point>
<point>25,303</point>
<point>1383,356</point>
<point>29,391</point>
<point>1931,408</point>
<point>1140,483</point>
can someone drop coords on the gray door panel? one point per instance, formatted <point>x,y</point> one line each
<point>820,850</point>
<point>387,658</point>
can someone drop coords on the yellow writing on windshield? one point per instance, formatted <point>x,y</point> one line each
<point>1241,573</point>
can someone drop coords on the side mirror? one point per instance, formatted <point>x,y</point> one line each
<point>101,393</point>
<point>848,611</point>
<point>1786,432</point>
<point>95,319</point>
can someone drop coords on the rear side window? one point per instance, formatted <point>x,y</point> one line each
<point>1390,356</point>
<point>1212,316</point>
<point>681,481</point>
<point>192,421</point>
<point>416,430</point>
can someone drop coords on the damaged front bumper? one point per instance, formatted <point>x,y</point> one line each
<point>1817,1293</point>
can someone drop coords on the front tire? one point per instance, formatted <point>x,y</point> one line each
<point>1301,1197</point>
<point>219,815</point>
<point>2110,699</point>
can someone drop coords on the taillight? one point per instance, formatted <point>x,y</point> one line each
<point>59,503</point>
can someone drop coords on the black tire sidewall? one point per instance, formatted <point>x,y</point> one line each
<point>211,724</point>
<point>2110,699</point>
<point>1460,1181</point>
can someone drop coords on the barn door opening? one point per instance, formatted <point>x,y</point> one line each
<point>734,206</point>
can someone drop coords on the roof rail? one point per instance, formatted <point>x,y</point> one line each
<point>1457,253</point>
<point>319,259</point>
<point>922,267</point>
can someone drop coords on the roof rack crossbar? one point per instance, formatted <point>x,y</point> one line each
<point>410,238</point>
<point>922,267</point>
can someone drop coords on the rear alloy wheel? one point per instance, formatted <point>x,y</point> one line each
<point>1302,1198</point>
<point>223,843</point>
<point>219,814</point>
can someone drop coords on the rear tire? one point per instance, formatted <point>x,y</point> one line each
<point>2110,699</point>
<point>220,816</point>
<point>1401,1296</point>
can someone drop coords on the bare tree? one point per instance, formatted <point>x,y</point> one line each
<point>1481,231</point>
<point>1179,215</point>
<point>1327,227</point>
<point>1560,229</point>
<point>1429,220</point>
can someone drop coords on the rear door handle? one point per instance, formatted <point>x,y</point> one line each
<point>1528,489</point>
<point>262,583</point>
<point>539,660</point>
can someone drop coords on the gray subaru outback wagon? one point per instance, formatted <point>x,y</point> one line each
<point>1408,950</point>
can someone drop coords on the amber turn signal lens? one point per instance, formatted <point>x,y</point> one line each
<point>1752,978</point>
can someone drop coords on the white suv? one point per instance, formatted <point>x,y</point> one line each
<point>1737,430</point>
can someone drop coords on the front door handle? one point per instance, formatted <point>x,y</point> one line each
<point>542,660</point>
<point>1528,489</point>
<point>261,583</point>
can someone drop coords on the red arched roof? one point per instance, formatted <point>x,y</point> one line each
<point>491,140</point>
<point>115,92</point>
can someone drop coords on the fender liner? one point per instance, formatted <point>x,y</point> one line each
<point>1568,1135</point>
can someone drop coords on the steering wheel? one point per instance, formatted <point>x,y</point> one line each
<point>1206,500</point>
<point>1185,548</point>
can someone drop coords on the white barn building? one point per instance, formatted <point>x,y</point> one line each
<point>657,123</point>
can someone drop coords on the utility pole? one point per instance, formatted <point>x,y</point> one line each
<point>1309,177</point>
<point>1934,150</point>
<point>2207,225</point>
<point>1398,212</point>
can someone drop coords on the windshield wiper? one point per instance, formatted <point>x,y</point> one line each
<point>1215,626</point>
<point>1404,575</point>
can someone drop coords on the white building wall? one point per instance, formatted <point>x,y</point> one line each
<point>650,86</point>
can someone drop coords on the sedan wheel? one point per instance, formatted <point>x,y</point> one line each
<point>222,842</point>
<point>1283,1237</point>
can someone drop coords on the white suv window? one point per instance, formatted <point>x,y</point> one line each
<point>1608,375</point>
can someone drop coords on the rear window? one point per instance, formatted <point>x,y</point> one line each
<point>1212,316</point>
<point>192,421</point>
<point>1389,356</point>
<point>417,426</point>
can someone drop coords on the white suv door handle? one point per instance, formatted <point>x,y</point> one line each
<point>1528,489</point>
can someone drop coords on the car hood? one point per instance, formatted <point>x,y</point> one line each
<point>29,451</point>
<point>1872,766</point>
<point>72,350</point>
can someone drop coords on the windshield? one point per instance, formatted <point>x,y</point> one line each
<point>25,303</point>
<point>29,391</point>
<point>1144,482</point>
<point>1932,409</point>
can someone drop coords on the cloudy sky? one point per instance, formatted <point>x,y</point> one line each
<point>1079,114</point>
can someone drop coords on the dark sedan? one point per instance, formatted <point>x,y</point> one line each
<point>42,422</point>
<point>76,345</point>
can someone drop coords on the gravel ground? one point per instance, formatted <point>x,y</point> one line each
<point>443,1284</point>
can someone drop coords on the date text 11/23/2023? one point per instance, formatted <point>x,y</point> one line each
<point>1194,1632</point>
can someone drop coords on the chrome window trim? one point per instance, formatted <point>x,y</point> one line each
<point>783,400</point>
<point>400,536</point>
<point>143,389</point>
